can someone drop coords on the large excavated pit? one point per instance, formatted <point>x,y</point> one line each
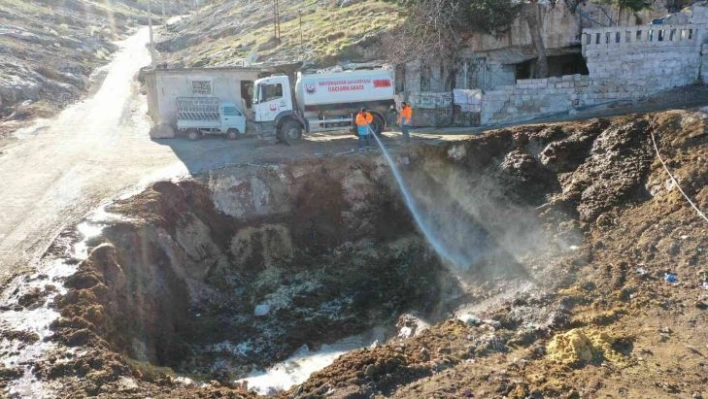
<point>236,269</point>
<point>239,269</point>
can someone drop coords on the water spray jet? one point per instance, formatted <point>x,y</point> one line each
<point>459,260</point>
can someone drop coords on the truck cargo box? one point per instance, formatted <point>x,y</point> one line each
<point>198,112</point>
<point>340,88</point>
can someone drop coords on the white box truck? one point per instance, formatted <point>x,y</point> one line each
<point>321,102</point>
<point>197,116</point>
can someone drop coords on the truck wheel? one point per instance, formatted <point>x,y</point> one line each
<point>290,131</point>
<point>232,134</point>
<point>378,125</point>
<point>194,134</point>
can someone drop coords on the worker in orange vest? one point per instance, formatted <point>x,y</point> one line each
<point>363,126</point>
<point>404,120</point>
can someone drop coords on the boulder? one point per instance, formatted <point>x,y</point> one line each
<point>162,131</point>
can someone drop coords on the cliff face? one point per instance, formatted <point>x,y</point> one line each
<point>560,28</point>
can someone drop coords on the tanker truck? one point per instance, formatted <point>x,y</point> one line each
<point>321,102</point>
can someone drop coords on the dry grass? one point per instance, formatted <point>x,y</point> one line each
<point>328,31</point>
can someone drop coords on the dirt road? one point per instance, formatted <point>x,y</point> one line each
<point>58,170</point>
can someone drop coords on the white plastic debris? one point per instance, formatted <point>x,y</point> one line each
<point>470,319</point>
<point>405,332</point>
<point>261,310</point>
<point>185,381</point>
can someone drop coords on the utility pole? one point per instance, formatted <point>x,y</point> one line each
<point>164,20</point>
<point>302,50</point>
<point>276,20</point>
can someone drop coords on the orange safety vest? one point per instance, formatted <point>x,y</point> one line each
<point>407,112</point>
<point>363,119</point>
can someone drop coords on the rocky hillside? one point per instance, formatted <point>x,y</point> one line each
<point>48,52</point>
<point>233,32</point>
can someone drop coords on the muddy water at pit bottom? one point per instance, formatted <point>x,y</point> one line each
<point>298,367</point>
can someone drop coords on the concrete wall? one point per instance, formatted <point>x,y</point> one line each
<point>531,98</point>
<point>164,86</point>
<point>490,76</point>
<point>645,59</point>
<point>431,108</point>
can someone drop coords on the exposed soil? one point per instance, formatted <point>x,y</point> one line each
<point>559,238</point>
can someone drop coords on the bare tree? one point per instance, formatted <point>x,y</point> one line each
<point>431,33</point>
<point>532,15</point>
<point>436,30</point>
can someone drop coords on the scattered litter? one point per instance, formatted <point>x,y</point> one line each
<point>642,272</point>
<point>670,278</point>
<point>705,285</point>
<point>405,332</point>
<point>470,319</point>
<point>185,381</point>
<point>127,384</point>
<point>261,310</point>
<point>574,247</point>
<point>492,323</point>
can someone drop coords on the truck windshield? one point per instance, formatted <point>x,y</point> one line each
<point>231,111</point>
<point>264,92</point>
<point>273,92</point>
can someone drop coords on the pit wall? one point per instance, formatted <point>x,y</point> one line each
<point>625,63</point>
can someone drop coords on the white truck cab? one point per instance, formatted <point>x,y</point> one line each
<point>274,111</point>
<point>272,96</point>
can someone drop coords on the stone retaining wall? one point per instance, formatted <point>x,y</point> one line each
<point>625,63</point>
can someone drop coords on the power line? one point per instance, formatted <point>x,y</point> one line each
<point>673,179</point>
